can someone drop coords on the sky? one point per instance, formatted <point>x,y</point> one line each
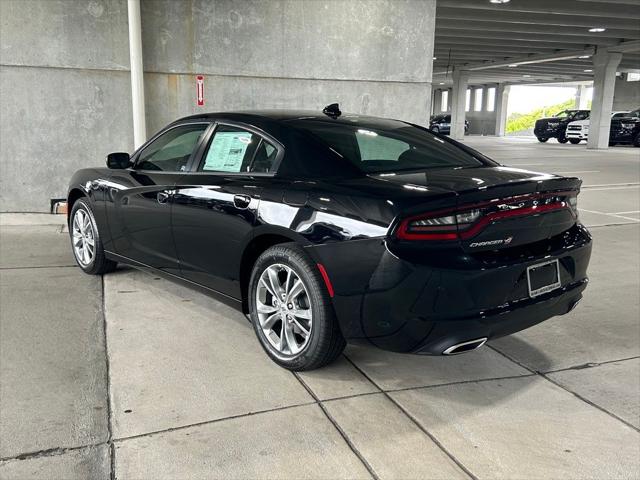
<point>524,98</point>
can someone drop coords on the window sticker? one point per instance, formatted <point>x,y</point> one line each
<point>227,150</point>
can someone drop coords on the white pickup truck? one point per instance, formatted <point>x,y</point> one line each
<point>579,130</point>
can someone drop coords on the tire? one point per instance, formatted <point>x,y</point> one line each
<point>612,144</point>
<point>636,140</point>
<point>542,139</point>
<point>562,139</point>
<point>574,141</point>
<point>435,130</point>
<point>82,227</point>
<point>293,351</point>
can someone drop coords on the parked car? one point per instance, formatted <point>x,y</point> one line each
<point>442,124</point>
<point>326,228</point>
<point>579,130</point>
<point>626,130</point>
<point>556,126</point>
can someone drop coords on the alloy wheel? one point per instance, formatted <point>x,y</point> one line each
<point>84,239</point>
<point>284,309</point>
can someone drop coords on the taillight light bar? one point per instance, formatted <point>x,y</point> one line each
<point>469,220</point>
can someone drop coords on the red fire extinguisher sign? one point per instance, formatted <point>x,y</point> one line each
<point>200,90</point>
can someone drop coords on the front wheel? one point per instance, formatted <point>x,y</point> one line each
<point>636,140</point>
<point>562,139</point>
<point>542,139</point>
<point>291,310</point>
<point>435,130</point>
<point>574,141</point>
<point>86,241</point>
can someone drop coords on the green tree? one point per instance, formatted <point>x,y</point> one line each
<point>525,121</point>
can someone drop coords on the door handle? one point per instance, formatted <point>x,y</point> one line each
<point>163,197</point>
<point>241,201</point>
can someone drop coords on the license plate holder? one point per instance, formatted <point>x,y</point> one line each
<point>543,277</point>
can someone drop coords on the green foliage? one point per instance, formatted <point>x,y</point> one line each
<point>524,121</point>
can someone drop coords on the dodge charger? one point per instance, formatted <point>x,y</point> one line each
<point>325,227</point>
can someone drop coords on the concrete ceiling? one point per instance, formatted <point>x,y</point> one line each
<point>549,35</point>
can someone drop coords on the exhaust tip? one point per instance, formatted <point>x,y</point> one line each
<point>574,305</point>
<point>465,346</point>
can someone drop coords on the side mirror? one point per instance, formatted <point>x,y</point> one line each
<point>118,160</point>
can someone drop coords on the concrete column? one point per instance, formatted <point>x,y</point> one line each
<point>502,101</point>
<point>485,96</point>
<point>458,100</point>
<point>437,101</point>
<point>604,81</point>
<point>581,97</point>
<point>137,75</point>
<point>429,107</point>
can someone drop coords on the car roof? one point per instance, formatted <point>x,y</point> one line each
<point>284,116</point>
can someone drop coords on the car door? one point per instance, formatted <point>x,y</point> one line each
<point>215,206</point>
<point>140,197</point>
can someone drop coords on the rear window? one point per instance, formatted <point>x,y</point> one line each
<point>372,149</point>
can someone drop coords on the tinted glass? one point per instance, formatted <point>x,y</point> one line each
<point>372,149</point>
<point>265,158</point>
<point>170,152</point>
<point>581,116</point>
<point>235,150</point>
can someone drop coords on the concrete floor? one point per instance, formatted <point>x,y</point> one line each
<point>135,376</point>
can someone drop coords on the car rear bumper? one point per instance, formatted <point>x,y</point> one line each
<point>501,321</point>
<point>426,308</point>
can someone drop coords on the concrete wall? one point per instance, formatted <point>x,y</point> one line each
<point>372,56</point>
<point>64,95</point>
<point>626,95</point>
<point>65,98</point>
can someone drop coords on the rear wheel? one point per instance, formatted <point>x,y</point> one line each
<point>86,241</point>
<point>542,139</point>
<point>636,140</point>
<point>291,310</point>
<point>562,139</point>
<point>574,141</point>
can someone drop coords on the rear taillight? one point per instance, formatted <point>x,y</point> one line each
<point>469,220</point>
<point>436,228</point>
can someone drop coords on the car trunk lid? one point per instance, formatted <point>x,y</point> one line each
<point>502,207</point>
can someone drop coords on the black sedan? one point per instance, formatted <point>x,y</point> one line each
<point>324,228</point>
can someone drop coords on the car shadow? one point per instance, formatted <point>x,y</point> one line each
<point>184,293</point>
<point>521,351</point>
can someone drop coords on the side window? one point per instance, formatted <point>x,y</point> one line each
<point>235,150</point>
<point>264,160</point>
<point>581,116</point>
<point>377,147</point>
<point>170,152</point>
